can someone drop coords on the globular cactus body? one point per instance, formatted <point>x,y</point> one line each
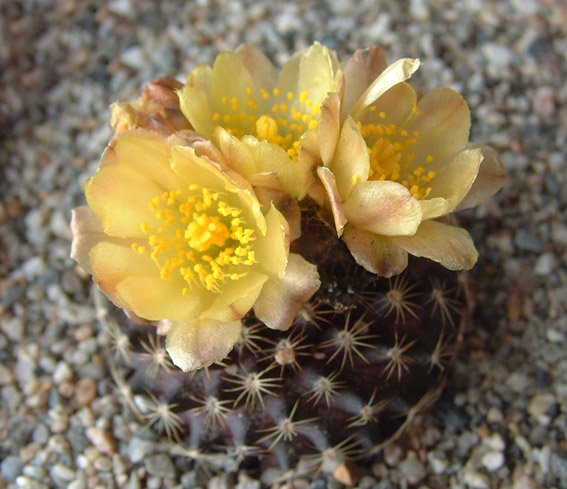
<point>362,358</point>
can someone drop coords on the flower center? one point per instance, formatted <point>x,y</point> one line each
<point>391,157</point>
<point>273,116</point>
<point>200,237</point>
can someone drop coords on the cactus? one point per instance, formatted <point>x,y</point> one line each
<point>364,356</point>
<point>289,237</point>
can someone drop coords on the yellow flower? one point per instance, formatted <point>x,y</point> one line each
<point>395,165</point>
<point>171,235</point>
<point>263,122</point>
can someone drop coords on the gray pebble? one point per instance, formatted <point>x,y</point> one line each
<point>412,469</point>
<point>545,264</point>
<point>160,465</point>
<point>528,241</point>
<point>11,467</point>
<point>139,448</point>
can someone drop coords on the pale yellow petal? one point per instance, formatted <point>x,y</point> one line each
<point>453,182</point>
<point>268,165</point>
<point>449,245</point>
<point>360,71</point>
<point>153,298</point>
<point>383,207</point>
<point>194,100</point>
<point>315,71</point>
<point>111,263</point>
<point>394,107</point>
<point>193,169</point>
<point>491,177</point>
<point>120,197</point>
<point>236,299</point>
<point>272,249</point>
<point>237,154</point>
<point>147,153</point>
<point>397,72</point>
<point>194,343</point>
<point>443,123</point>
<point>351,163</point>
<point>377,254</point>
<point>329,127</point>
<point>87,232</point>
<point>281,299</point>
<point>333,197</point>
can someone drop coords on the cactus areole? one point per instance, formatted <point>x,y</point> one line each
<point>282,245</point>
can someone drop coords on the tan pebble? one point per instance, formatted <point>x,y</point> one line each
<point>346,474</point>
<point>86,391</point>
<point>66,389</point>
<point>102,440</point>
<point>29,452</point>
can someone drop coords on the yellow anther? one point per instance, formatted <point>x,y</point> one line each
<point>290,96</point>
<point>276,92</point>
<point>249,90</point>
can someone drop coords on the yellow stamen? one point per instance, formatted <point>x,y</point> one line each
<point>198,238</point>
<point>391,158</point>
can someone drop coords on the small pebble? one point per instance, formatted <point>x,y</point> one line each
<point>492,461</point>
<point>86,391</point>
<point>11,467</point>
<point>102,440</point>
<point>159,465</point>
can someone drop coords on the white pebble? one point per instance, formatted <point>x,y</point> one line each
<point>492,461</point>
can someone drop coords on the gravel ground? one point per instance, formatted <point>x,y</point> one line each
<point>502,420</point>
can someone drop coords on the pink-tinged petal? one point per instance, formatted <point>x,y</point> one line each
<point>394,107</point>
<point>261,70</point>
<point>453,182</point>
<point>236,299</point>
<point>332,193</point>
<point>272,249</point>
<point>491,177</point>
<point>120,196</point>
<point>146,152</point>
<point>111,263</point>
<point>397,72</point>
<point>87,232</point>
<point>360,71</point>
<point>383,207</point>
<point>194,343</point>
<point>309,151</point>
<point>449,245</point>
<point>109,157</point>
<point>329,127</point>
<point>282,298</point>
<point>443,123</point>
<point>377,254</point>
<point>351,163</point>
<point>284,203</point>
<point>153,298</point>
<point>194,100</point>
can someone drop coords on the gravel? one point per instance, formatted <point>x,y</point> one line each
<point>501,421</point>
